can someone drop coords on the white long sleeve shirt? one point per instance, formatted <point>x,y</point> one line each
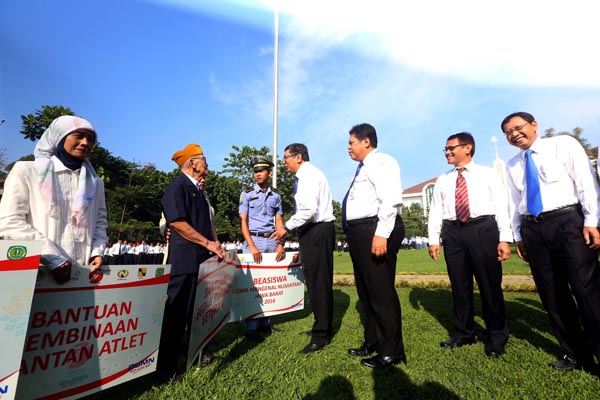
<point>566,177</point>
<point>376,191</point>
<point>24,217</point>
<point>313,197</point>
<point>487,196</point>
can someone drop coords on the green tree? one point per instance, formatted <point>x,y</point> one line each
<point>224,188</point>
<point>2,162</point>
<point>415,222</point>
<point>34,125</point>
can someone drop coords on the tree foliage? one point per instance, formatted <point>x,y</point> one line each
<point>415,222</point>
<point>35,124</point>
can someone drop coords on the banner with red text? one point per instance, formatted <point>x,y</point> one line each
<point>269,288</point>
<point>19,262</point>
<point>212,303</point>
<point>94,332</point>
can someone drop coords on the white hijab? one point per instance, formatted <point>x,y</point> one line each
<point>44,150</point>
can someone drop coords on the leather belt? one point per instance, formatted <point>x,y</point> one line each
<point>359,221</point>
<point>551,214</point>
<point>261,234</point>
<point>470,221</point>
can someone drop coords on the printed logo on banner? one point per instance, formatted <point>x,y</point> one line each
<point>4,390</point>
<point>122,274</point>
<point>142,272</point>
<point>160,271</point>
<point>16,252</point>
<point>96,276</point>
<point>141,364</point>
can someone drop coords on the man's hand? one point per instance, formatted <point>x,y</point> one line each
<point>280,253</point>
<point>96,263</point>
<point>256,254</point>
<point>379,246</point>
<point>62,273</point>
<point>167,234</point>
<point>591,237</point>
<point>522,251</point>
<point>215,247</point>
<point>503,251</point>
<point>434,251</point>
<point>279,234</point>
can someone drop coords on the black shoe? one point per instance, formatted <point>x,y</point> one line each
<point>269,329</point>
<point>254,337</point>
<point>494,350</point>
<point>209,358</point>
<point>363,351</point>
<point>567,363</point>
<point>456,342</point>
<point>312,347</point>
<point>381,362</point>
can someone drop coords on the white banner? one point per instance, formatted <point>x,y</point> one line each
<point>19,262</point>
<point>269,288</point>
<point>94,332</point>
<point>212,303</point>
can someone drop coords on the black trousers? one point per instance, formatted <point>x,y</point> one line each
<point>563,266</point>
<point>317,242</point>
<point>471,251</point>
<point>375,277</point>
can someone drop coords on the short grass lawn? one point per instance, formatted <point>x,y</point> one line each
<point>276,370</point>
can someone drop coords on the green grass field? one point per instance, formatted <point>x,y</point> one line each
<point>276,370</point>
<point>419,262</point>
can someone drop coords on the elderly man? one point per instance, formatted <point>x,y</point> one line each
<point>554,195</point>
<point>187,213</point>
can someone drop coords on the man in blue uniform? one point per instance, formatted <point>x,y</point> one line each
<point>187,213</point>
<point>260,212</point>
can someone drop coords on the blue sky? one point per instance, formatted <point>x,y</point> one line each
<point>153,76</point>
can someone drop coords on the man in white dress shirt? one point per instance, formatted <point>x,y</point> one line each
<point>475,242</point>
<point>313,219</point>
<point>371,218</point>
<point>554,195</point>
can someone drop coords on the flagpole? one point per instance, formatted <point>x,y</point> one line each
<point>275,96</point>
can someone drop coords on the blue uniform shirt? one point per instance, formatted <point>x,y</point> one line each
<point>261,208</point>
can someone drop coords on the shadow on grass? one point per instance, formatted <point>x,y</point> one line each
<point>229,334</point>
<point>394,383</point>
<point>527,319</point>
<point>334,387</point>
<point>438,303</point>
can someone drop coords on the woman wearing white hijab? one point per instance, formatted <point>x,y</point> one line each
<point>58,198</point>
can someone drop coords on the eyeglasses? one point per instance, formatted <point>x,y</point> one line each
<point>516,128</point>
<point>451,148</point>
<point>286,156</point>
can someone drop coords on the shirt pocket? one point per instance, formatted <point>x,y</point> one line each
<point>552,172</point>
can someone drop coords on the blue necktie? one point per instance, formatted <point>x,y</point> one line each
<point>344,221</point>
<point>534,197</point>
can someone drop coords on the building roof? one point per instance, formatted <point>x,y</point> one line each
<point>418,188</point>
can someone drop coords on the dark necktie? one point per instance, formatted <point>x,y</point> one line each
<point>534,197</point>
<point>344,220</point>
<point>462,197</point>
<point>295,190</point>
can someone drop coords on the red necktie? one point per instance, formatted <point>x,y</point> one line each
<point>462,197</point>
